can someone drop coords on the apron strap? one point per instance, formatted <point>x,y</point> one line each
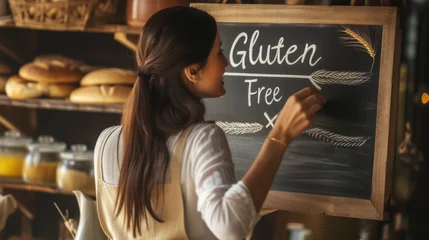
<point>99,158</point>
<point>176,159</point>
<point>180,147</point>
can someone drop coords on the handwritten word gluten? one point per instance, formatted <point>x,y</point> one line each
<point>262,54</point>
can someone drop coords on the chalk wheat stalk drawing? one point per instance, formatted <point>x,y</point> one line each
<point>359,38</point>
<point>322,77</point>
<point>336,140</point>
<point>238,128</point>
<point>325,77</point>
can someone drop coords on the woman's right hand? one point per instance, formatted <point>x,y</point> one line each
<point>298,113</point>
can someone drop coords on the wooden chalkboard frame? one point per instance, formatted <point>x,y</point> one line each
<point>386,17</point>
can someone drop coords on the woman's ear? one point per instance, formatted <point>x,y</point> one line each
<point>191,73</point>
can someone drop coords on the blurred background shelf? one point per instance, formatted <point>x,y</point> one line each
<point>7,22</point>
<point>60,105</point>
<point>11,184</point>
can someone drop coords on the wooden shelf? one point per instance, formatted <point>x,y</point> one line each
<point>60,105</point>
<point>7,22</point>
<point>21,185</point>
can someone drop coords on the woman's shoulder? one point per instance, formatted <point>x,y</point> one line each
<point>110,129</point>
<point>207,134</point>
<point>199,130</point>
<point>107,132</point>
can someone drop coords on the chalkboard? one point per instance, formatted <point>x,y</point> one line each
<point>338,156</point>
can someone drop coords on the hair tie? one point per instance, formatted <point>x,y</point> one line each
<point>143,75</point>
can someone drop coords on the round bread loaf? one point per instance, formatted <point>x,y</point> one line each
<point>109,76</point>
<point>104,94</point>
<point>18,88</point>
<point>58,59</point>
<point>50,73</point>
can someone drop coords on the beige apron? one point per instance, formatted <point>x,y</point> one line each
<point>171,211</point>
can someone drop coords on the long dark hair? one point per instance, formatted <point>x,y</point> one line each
<point>160,105</point>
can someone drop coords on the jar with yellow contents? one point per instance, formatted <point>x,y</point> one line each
<point>41,163</point>
<point>76,170</point>
<point>13,149</point>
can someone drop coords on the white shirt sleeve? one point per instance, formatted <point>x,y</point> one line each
<point>226,205</point>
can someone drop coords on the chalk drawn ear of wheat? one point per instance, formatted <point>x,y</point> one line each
<point>335,139</point>
<point>322,77</point>
<point>325,77</point>
<point>359,38</point>
<point>238,128</point>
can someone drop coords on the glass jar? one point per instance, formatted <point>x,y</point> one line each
<point>41,163</point>
<point>13,149</point>
<point>76,170</point>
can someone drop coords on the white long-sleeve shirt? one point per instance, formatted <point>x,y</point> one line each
<point>216,206</point>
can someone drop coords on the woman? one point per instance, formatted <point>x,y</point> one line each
<point>142,190</point>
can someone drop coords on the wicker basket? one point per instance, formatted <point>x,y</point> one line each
<point>107,11</point>
<point>52,14</point>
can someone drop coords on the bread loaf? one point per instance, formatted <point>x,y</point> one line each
<point>53,72</point>
<point>18,88</point>
<point>109,76</point>
<point>58,59</point>
<point>104,94</point>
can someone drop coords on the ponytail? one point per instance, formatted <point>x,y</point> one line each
<point>145,153</point>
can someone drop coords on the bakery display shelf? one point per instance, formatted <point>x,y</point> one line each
<point>58,104</point>
<point>13,184</point>
<point>7,22</point>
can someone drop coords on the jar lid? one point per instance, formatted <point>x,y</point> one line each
<point>47,143</point>
<point>14,139</point>
<point>78,152</point>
